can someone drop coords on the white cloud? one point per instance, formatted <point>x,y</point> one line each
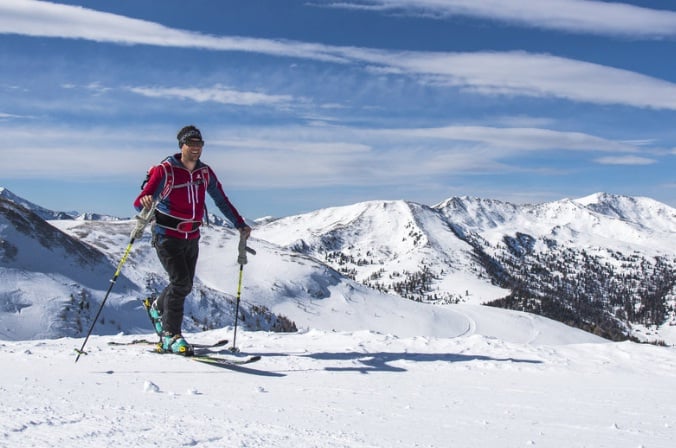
<point>297,146</point>
<point>521,139</point>
<point>304,157</point>
<point>58,152</point>
<point>626,160</point>
<point>484,73</point>
<point>536,75</point>
<point>578,16</point>
<point>45,19</point>
<point>332,156</point>
<point>217,94</point>
<point>6,116</point>
<point>521,121</point>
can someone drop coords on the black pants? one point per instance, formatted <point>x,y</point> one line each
<point>178,257</point>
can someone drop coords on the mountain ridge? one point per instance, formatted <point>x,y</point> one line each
<point>591,245</point>
<point>614,252</point>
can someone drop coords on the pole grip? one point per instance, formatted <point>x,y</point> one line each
<point>142,219</point>
<point>241,249</point>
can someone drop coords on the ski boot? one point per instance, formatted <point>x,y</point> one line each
<point>150,304</point>
<point>175,344</point>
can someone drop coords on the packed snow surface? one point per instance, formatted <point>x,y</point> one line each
<point>344,389</point>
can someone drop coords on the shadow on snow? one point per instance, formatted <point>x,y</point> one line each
<point>382,362</point>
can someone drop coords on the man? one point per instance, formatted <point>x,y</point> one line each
<point>178,186</point>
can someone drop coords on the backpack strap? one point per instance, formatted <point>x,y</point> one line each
<point>205,178</point>
<point>169,179</point>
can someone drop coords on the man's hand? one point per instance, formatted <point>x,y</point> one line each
<point>143,218</point>
<point>146,201</point>
<point>245,232</point>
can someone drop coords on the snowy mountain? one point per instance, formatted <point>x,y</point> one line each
<point>40,211</point>
<point>602,263</point>
<point>52,281</point>
<point>371,369</point>
<point>393,246</point>
<point>50,214</point>
<point>39,265</point>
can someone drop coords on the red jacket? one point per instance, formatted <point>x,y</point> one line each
<point>181,196</point>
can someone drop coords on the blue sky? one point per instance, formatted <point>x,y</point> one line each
<point>310,104</point>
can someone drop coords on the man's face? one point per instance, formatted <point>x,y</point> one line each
<point>192,150</point>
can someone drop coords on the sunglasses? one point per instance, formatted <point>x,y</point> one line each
<point>197,143</point>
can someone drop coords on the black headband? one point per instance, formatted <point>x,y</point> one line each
<point>191,134</point>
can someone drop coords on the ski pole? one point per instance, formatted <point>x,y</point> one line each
<point>242,249</point>
<point>142,220</point>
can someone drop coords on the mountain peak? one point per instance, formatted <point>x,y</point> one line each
<point>47,214</point>
<point>593,198</point>
<point>474,212</point>
<point>642,211</point>
<point>42,212</point>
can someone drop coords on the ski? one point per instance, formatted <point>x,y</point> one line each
<point>225,361</point>
<point>211,359</point>
<point>134,342</point>
<point>235,364</point>
<point>205,347</point>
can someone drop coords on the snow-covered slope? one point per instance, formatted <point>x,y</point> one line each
<point>382,243</point>
<point>53,281</point>
<point>644,212</point>
<point>48,277</point>
<point>599,220</point>
<point>322,389</point>
<point>313,295</point>
<point>447,254</point>
<point>38,210</point>
<point>366,369</point>
<point>616,251</point>
<point>286,283</point>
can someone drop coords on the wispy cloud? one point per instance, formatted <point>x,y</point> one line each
<point>626,160</point>
<point>484,73</point>
<point>521,139</point>
<point>576,16</point>
<point>217,94</point>
<point>535,75</point>
<point>337,155</point>
<point>5,116</point>
<point>305,156</point>
<point>45,19</point>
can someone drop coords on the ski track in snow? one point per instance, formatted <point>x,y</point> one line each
<point>340,389</point>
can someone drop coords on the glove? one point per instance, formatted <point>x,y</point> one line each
<point>142,219</point>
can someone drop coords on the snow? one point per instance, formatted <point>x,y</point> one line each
<point>351,389</point>
<point>366,369</point>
